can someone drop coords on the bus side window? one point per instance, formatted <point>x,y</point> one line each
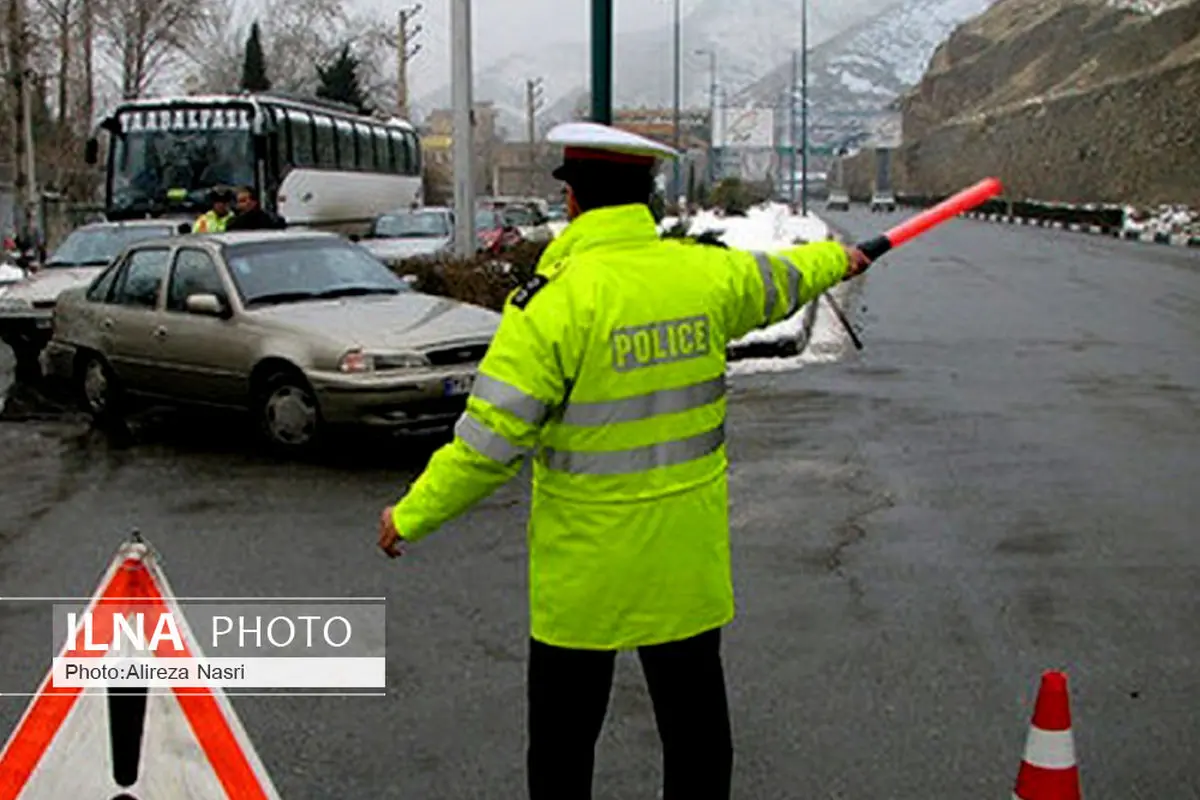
<point>325,142</point>
<point>383,152</point>
<point>346,146</point>
<point>300,133</point>
<point>414,154</point>
<point>366,147</point>
<point>400,152</point>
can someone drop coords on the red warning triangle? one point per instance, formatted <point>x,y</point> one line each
<point>184,743</point>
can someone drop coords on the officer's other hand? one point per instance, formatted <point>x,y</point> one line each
<point>390,541</point>
<point>858,261</point>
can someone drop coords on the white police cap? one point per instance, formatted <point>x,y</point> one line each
<point>591,141</point>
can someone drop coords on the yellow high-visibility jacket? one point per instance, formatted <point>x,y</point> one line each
<point>211,222</point>
<point>608,369</point>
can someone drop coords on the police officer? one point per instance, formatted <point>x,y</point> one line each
<point>215,220</point>
<point>608,367</point>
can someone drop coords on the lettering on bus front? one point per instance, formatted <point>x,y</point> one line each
<point>185,119</point>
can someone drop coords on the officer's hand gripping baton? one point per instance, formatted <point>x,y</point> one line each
<point>952,206</point>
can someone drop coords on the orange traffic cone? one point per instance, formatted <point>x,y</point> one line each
<point>1048,770</point>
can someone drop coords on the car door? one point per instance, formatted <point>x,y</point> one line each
<point>206,359</point>
<point>130,319</point>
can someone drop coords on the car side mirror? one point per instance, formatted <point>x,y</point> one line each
<point>208,305</point>
<point>91,151</point>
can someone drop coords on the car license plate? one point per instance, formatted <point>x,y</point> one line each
<point>459,385</point>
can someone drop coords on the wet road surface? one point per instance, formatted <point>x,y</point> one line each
<point>1004,481</point>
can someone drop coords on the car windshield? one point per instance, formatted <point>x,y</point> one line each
<point>176,161</point>
<point>519,216</point>
<point>297,270</point>
<point>488,219</point>
<point>413,225</point>
<point>95,247</point>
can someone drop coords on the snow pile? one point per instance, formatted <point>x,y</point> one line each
<point>771,228</point>
<point>1148,7</point>
<point>1171,220</point>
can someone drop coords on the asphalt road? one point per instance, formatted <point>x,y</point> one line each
<point>1003,482</point>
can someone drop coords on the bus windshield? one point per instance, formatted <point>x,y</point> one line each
<point>175,166</point>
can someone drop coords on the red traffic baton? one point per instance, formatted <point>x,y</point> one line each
<point>952,206</point>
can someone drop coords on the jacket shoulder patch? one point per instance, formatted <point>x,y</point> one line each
<point>522,296</point>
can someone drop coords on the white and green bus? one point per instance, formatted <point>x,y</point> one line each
<point>316,164</point>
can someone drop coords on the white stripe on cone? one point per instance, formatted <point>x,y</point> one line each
<point>1050,749</point>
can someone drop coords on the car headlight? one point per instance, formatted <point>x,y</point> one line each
<point>357,362</point>
<point>14,304</point>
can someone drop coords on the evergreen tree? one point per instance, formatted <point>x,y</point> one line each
<point>339,81</point>
<point>254,64</point>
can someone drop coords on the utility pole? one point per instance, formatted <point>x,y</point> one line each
<point>464,128</point>
<point>602,47</point>
<point>804,107</point>
<point>712,113</point>
<point>676,188</point>
<point>792,135</point>
<point>405,51</point>
<point>533,104</point>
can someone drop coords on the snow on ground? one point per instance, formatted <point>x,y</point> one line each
<point>1164,219</point>
<point>773,227</point>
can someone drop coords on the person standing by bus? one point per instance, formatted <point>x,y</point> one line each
<point>215,220</point>
<point>251,216</point>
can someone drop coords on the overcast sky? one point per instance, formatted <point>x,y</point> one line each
<point>501,27</point>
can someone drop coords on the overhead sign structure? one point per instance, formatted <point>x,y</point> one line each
<point>127,743</point>
<point>749,127</point>
<point>886,131</point>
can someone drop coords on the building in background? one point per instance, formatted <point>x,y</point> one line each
<point>695,138</point>
<point>437,143</point>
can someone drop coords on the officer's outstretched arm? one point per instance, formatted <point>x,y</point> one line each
<point>521,379</point>
<point>772,287</point>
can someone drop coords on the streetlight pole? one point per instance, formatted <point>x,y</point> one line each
<point>804,107</point>
<point>464,129</point>
<point>792,143</point>
<point>602,44</point>
<point>678,78</point>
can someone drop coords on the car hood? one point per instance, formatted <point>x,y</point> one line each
<point>404,248</point>
<point>406,321</point>
<point>10,274</point>
<point>48,283</point>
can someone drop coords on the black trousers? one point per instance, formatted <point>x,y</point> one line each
<point>568,701</point>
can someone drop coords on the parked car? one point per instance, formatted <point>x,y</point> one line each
<point>26,307</point>
<point>883,201</point>
<point>305,331</point>
<point>494,232</point>
<point>837,201</point>
<point>410,233</point>
<point>532,224</point>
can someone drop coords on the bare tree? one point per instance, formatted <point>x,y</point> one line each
<point>143,38</point>
<point>297,35</point>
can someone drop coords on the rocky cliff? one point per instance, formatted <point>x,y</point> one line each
<point>1065,100</point>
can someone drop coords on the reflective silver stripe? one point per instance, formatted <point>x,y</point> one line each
<point>507,397</point>
<point>794,280</point>
<point>768,278</point>
<point>638,459</point>
<point>644,406</point>
<point>486,441</point>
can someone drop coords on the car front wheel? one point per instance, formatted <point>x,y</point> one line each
<point>99,388</point>
<point>289,417</point>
